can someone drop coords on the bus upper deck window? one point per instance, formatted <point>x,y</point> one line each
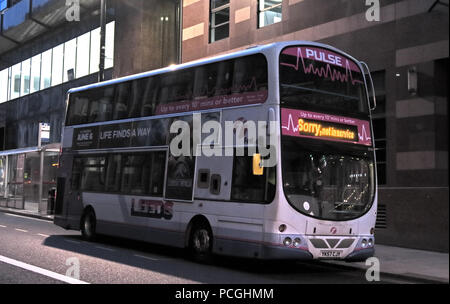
<point>122,99</point>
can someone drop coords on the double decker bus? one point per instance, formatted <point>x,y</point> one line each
<point>119,174</point>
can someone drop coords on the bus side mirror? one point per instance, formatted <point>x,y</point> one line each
<point>374,99</point>
<point>258,169</point>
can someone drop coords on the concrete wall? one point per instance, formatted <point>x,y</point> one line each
<point>147,35</point>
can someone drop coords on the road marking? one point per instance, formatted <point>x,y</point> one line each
<point>26,217</point>
<point>104,248</point>
<point>145,257</point>
<point>21,230</point>
<point>41,234</point>
<point>41,271</point>
<point>1,226</point>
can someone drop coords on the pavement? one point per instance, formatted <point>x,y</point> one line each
<point>29,213</point>
<point>402,263</point>
<point>425,266</point>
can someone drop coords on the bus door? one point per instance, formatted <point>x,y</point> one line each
<point>72,172</point>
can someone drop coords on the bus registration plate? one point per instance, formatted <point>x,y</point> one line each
<point>330,253</point>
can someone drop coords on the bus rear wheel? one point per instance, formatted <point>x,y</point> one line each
<point>88,225</point>
<point>200,243</point>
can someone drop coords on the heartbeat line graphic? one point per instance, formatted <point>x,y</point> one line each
<point>363,136</point>
<point>291,123</point>
<point>327,72</point>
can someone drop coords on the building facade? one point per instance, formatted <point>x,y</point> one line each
<point>404,42</point>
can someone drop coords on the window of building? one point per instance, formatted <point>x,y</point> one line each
<point>46,70</point>
<point>57,64</point>
<point>83,46</point>
<point>4,75</point>
<point>95,51</point>
<point>379,125</point>
<point>15,81</point>
<point>25,77</point>
<point>109,45</point>
<point>269,12</point>
<point>70,53</point>
<point>35,82</point>
<point>73,59</point>
<point>219,19</point>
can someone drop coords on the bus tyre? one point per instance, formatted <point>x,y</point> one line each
<point>200,243</point>
<point>88,224</point>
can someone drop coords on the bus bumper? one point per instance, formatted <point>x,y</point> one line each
<point>285,253</point>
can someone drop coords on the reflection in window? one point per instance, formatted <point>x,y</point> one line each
<point>269,12</point>
<point>249,75</point>
<point>15,81</point>
<point>57,64</point>
<point>93,174</point>
<point>113,173</point>
<point>143,90</point>
<point>35,73</point>
<point>83,43</point>
<point>78,110</point>
<point>138,173</point>
<point>135,170</point>
<point>121,101</point>
<point>46,72</point>
<point>101,104</point>
<point>95,51</point>
<point>219,20</point>
<point>176,86</point>
<point>70,50</point>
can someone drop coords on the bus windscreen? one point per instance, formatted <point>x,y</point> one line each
<point>317,79</point>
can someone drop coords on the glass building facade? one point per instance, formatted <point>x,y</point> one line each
<point>67,61</point>
<point>43,55</point>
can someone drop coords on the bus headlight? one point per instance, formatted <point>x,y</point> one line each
<point>287,241</point>
<point>364,243</point>
<point>297,242</point>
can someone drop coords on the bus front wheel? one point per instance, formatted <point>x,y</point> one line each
<point>88,224</point>
<point>200,244</point>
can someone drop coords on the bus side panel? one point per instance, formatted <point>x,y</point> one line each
<point>142,233</point>
<point>136,217</point>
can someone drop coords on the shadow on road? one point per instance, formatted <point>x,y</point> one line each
<point>174,261</point>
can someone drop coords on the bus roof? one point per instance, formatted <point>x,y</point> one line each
<point>248,51</point>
